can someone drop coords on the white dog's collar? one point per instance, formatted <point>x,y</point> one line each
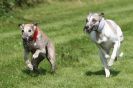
<point>101,25</point>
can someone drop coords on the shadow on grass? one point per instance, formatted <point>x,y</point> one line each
<point>41,71</point>
<point>101,72</point>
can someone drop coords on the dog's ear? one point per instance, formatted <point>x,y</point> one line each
<point>101,14</point>
<point>35,24</point>
<point>21,26</point>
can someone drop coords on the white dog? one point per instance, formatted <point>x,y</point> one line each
<point>106,34</point>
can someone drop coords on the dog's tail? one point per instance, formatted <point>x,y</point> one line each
<point>121,54</point>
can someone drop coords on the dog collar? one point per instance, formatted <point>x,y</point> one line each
<point>101,25</point>
<point>35,35</point>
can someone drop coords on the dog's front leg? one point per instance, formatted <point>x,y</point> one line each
<point>104,62</point>
<point>27,61</point>
<point>38,51</point>
<point>114,53</point>
<point>36,59</point>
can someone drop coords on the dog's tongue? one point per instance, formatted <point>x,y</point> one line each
<point>35,35</point>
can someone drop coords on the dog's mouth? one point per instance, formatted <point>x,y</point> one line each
<point>88,30</point>
<point>27,39</point>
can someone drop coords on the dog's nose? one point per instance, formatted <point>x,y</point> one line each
<point>85,28</point>
<point>25,38</point>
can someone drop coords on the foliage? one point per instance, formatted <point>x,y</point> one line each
<point>8,5</point>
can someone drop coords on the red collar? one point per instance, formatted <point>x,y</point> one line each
<point>35,35</point>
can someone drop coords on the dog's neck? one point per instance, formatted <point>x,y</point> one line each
<point>101,25</point>
<point>34,38</point>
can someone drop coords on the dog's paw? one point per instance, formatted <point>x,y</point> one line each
<point>107,56</point>
<point>30,67</point>
<point>107,73</point>
<point>35,56</point>
<point>121,54</point>
<point>99,41</point>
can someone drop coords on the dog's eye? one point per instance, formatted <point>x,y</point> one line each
<point>29,31</point>
<point>22,31</point>
<point>94,20</point>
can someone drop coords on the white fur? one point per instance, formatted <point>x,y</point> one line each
<point>106,40</point>
<point>36,54</point>
<point>29,65</point>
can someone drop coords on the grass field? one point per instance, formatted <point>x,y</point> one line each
<point>78,63</point>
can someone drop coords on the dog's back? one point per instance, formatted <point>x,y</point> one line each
<point>115,29</point>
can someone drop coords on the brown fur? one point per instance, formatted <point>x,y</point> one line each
<point>40,48</point>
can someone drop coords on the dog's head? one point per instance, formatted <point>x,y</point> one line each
<point>28,30</point>
<point>92,21</point>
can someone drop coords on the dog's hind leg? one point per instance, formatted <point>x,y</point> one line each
<point>119,54</point>
<point>121,38</point>
<point>50,51</point>
<point>114,53</point>
<point>104,62</point>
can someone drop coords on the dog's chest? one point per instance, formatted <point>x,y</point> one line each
<point>105,42</point>
<point>95,37</point>
<point>31,45</point>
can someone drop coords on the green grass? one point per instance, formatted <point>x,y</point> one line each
<point>78,63</point>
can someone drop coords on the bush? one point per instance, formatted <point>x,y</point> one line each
<point>22,3</point>
<point>8,5</point>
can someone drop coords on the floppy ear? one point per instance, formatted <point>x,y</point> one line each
<point>101,14</point>
<point>21,26</point>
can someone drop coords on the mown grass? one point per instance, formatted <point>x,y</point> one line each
<point>78,63</point>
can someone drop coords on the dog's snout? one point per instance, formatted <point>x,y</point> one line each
<point>85,28</point>
<point>25,38</point>
<point>25,34</point>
